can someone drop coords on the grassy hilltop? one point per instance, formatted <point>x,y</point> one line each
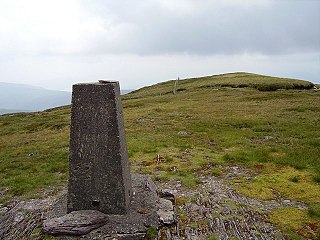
<point>270,125</point>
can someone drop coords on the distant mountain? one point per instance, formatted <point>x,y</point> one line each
<point>26,98</point>
<point>21,97</point>
<point>5,111</point>
<point>125,91</point>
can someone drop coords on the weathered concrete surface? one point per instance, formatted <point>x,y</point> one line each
<point>142,214</point>
<point>75,223</point>
<point>99,175</point>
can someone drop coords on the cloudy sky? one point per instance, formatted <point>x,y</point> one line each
<point>54,44</point>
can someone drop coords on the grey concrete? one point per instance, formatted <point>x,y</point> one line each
<point>99,174</point>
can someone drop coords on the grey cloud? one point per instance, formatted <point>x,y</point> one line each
<point>278,27</point>
<point>144,42</point>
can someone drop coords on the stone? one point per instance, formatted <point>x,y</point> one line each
<point>3,210</point>
<point>75,223</point>
<point>168,194</point>
<point>165,211</point>
<point>268,137</point>
<point>182,133</point>
<point>99,174</point>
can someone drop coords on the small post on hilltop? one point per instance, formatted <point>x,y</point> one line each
<point>175,86</point>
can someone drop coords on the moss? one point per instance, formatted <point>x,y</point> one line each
<point>211,237</point>
<point>316,178</point>
<point>151,233</point>
<point>216,171</point>
<point>314,211</point>
<point>280,217</point>
<point>180,201</point>
<point>49,237</point>
<point>193,225</point>
<point>294,179</point>
<point>278,179</point>
<point>295,223</point>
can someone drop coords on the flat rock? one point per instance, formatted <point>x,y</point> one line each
<point>75,223</point>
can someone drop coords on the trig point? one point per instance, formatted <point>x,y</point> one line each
<point>104,201</point>
<point>99,174</point>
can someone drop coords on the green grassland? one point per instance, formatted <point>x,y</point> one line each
<point>270,125</point>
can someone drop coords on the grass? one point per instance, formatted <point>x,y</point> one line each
<point>235,118</point>
<point>211,237</point>
<point>233,80</point>
<point>274,179</point>
<point>298,226</point>
<point>34,151</point>
<point>152,233</point>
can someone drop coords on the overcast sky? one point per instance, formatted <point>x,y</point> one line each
<point>55,44</point>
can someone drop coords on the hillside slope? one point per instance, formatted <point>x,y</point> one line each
<point>233,80</point>
<point>237,153</point>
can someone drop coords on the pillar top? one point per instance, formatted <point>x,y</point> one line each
<point>99,82</point>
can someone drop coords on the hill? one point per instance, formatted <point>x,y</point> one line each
<point>6,111</point>
<point>223,143</point>
<point>232,80</point>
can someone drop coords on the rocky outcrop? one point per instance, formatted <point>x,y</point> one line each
<point>75,223</point>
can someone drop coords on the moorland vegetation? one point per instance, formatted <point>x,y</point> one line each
<point>268,125</point>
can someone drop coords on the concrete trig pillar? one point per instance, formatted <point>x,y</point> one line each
<point>99,174</point>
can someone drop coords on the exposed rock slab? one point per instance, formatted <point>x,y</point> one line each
<point>22,218</point>
<point>75,223</point>
<point>216,210</point>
